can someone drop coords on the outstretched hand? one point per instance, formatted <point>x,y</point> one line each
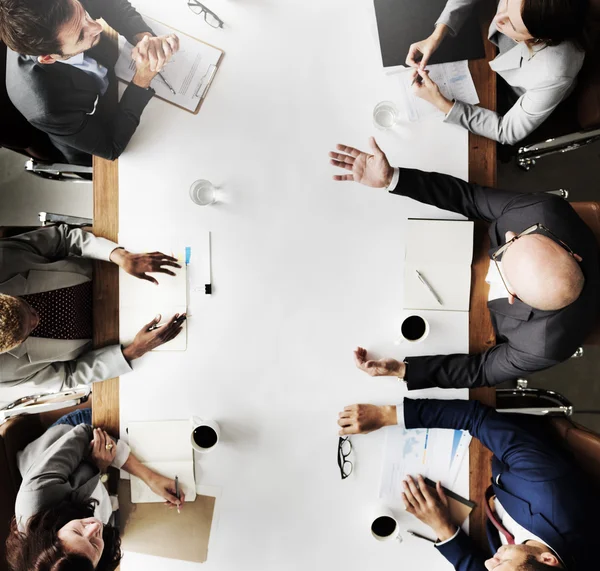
<point>139,265</point>
<point>379,368</point>
<point>371,170</point>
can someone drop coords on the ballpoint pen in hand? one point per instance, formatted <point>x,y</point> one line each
<point>177,494</point>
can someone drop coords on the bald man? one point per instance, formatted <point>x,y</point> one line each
<point>544,276</point>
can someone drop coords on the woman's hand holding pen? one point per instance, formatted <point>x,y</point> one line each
<point>427,89</point>
<point>139,265</point>
<point>420,52</point>
<point>152,336</point>
<point>165,488</point>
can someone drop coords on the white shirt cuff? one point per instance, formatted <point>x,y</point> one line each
<point>395,179</point>
<point>400,414</point>
<point>122,454</point>
<point>438,543</point>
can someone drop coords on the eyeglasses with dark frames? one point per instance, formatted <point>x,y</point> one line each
<point>209,16</point>
<point>497,255</point>
<point>344,450</point>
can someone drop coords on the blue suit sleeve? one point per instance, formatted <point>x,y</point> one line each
<point>519,441</point>
<point>462,553</point>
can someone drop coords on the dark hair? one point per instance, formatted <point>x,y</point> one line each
<point>555,21</point>
<point>39,549</point>
<point>532,564</point>
<point>31,27</point>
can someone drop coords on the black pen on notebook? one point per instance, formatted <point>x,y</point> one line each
<point>177,494</point>
<point>428,286</point>
<point>162,78</point>
<point>208,286</point>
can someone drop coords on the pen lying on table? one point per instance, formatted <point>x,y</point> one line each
<point>162,78</point>
<point>415,534</point>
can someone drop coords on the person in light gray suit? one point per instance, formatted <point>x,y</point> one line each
<point>46,311</point>
<point>63,513</point>
<point>540,54</point>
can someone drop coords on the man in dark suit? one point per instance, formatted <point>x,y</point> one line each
<point>542,510</point>
<point>544,280</point>
<point>55,80</point>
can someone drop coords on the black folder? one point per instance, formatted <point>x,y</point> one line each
<point>401,23</point>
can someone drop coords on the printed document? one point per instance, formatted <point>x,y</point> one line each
<point>454,80</point>
<point>189,72</point>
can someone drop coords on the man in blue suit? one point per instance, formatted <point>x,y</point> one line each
<point>542,515</point>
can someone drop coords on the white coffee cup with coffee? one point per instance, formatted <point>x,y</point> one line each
<point>205,435</point>
<point>384,526</point>
<point>414,328</point>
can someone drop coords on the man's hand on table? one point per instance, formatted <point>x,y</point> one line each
<point>365,418</point>
<point>152,336</point>
<point>150,55</point>
<point>379,368</point>
<point>371,170</point>
<point>429,506</point>
<point>138,265</point>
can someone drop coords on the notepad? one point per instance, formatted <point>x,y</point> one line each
<point>441,251</point>
<point>162,446</point>
<point>140,301</point>
<point>190,71</point>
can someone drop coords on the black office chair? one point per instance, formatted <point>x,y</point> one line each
<point>18,135</point>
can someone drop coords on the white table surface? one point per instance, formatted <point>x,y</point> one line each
<point>304,270</point>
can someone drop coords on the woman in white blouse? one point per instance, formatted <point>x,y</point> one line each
<point>539,56</point>
<point>63,513</point>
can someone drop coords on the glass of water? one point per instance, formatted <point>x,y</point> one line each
<point>385,115</point>
<point>203,193</point>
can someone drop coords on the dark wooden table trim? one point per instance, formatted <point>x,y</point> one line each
<point>482,170</point>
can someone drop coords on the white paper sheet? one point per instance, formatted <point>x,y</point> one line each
<point>141,300</point>
<point>454,80</point>
<point>190,71</point>
<point>434,453</point>
<point>164,447</point>
<point>449,274</point>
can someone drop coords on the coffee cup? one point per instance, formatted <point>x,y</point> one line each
<point>414,328</point>
<point>384,526</point>
<point>205,435</point>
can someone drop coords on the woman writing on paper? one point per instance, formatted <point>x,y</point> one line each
<point>539,56</point>
<point>63,513</point>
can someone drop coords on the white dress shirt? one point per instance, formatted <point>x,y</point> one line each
<point>91,67</point>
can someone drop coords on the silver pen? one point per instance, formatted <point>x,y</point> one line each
<point>415,534</point>
<point>426,284</point>
<point>162,78</point>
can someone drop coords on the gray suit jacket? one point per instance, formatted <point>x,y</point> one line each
<point>542,78</point>
<point>56,467</point>
<point>44,260</point>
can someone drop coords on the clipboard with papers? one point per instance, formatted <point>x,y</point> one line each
<point>190,72</point>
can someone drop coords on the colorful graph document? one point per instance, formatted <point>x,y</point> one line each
<point>434,453</point>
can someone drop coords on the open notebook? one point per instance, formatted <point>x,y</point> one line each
<point>441,251</point>
<point>140,301</point>
<point>163,446</point>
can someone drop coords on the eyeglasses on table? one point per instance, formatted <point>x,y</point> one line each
<point>209,16</point>
<point>344,450</point>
